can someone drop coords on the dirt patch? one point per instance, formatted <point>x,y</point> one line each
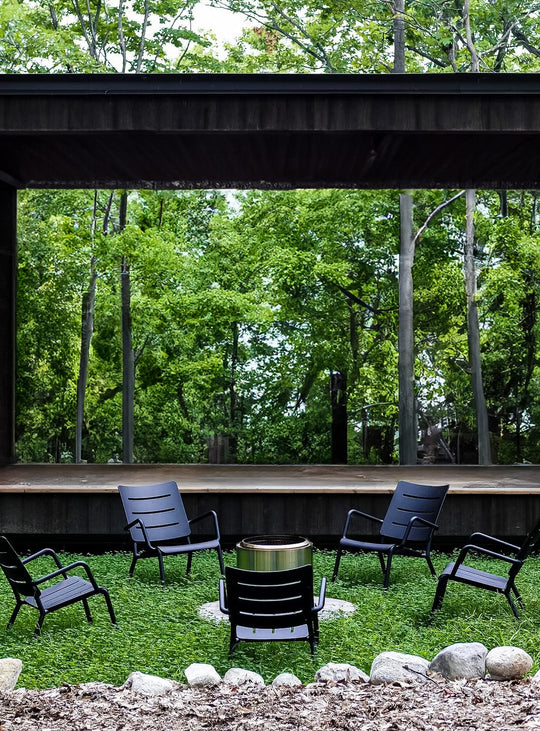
<point>479,705</point>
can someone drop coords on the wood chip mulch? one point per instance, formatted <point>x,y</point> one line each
<point>479,705</point>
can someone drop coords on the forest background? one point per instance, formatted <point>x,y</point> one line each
<point>262,326</point>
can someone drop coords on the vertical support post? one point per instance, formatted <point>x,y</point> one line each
<point>8,283</point>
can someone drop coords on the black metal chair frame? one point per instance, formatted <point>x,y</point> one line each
<point>410,521</point>
<point>60,594</point>
<point>159,526</point>
<point>492,547</point>
<point>266,606</point>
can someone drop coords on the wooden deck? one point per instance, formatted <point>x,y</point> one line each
<point>80,503</point>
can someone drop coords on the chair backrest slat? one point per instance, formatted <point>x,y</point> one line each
<point>15,571</point>
<point>529,544</point>
<point>270,599</point>
<point>159,507</point>
<point>408,500</point>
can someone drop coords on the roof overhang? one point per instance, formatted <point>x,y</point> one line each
<point>270,131</point>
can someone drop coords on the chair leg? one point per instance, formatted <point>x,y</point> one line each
<point>14,614</point>
<point>387,572</point>
<point>87,610</point>
<point>439,593</point>
<point>512,604</point>
<point>189,560</point>
<point>430,564</point>
<point>132,567</point>
<point>518,597</point>
<point>221,562</point>
<point>233,641</point>
<point>381,561</point>
<point>107,598</point>
<point>39,624</point>
<point>336,565</point>
<point>161,569</point>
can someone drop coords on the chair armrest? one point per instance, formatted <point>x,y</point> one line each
<point>209,514</point>
<point>354,512</point>
<point>222,597</point>
<point>141,525</point>
<point>470,547</point>
<point>69,567</point>
<point>44,552</point>
<point>410,525</point>
<point>498,541</point>
<point>322,596</point>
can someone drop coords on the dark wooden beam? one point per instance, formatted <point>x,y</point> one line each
<point>8,278</point>
<point>271,131</point>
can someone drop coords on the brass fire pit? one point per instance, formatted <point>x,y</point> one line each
<point>273,553</point>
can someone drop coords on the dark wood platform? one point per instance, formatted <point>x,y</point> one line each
<point>80,504</point>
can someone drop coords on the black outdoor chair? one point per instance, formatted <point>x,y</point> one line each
<point>513,555</point>
<point>407,528</point>
<point>159,526</point>
<point>271,605</point>
<point>28,591</point>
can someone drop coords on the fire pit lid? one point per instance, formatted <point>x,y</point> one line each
<point>274,543</point>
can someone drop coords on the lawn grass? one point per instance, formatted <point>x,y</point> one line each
<point>160,632</point>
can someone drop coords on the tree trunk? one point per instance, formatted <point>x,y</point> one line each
<point>407,414</point>
<point>473,335</point>
<point>87,329</point>
<point>233,408</point>
<point>338,392</point>
<point>399,37</point>
<point>128,359</point>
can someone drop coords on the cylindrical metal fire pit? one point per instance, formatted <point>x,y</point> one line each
<point>273,553</point>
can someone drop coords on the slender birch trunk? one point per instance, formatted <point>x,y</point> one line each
<point>473,334</point>
<point>128,359</point>
<point>87,329</point>
<point>407,411</point>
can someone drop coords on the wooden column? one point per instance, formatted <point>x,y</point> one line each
<point>8,281</point>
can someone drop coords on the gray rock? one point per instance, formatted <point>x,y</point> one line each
<point>397,667</point>
<point>200,674</point>
<point>536,677</point>
<point>238,676</point>
<point>10,669</point>
<point>508,663</point>
<point>148,684</point>
<point>463,660</point>
<point>287,679</point>
<point>337,672</point>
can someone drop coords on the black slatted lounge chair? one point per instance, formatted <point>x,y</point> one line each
<point>271,605</point>
<point>406,530</point>
<point>484,545</point>
<point>159,526</point>
<point>29,591</point>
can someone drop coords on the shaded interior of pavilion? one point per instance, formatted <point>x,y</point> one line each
<point>272,132</point>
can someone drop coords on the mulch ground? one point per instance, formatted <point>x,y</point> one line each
<point>478,705</point>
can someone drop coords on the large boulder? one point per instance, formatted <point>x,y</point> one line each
<point>397,667</point>
<point>10,669</point>
<point>339,672</point>
<point>286,680</point>
<point>239,676</point>
<point>201,674</point>
<point>462,660</point>
<point>508,663</point>
<point>149,684</point>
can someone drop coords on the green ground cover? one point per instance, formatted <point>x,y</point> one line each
<point>160,632</point>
